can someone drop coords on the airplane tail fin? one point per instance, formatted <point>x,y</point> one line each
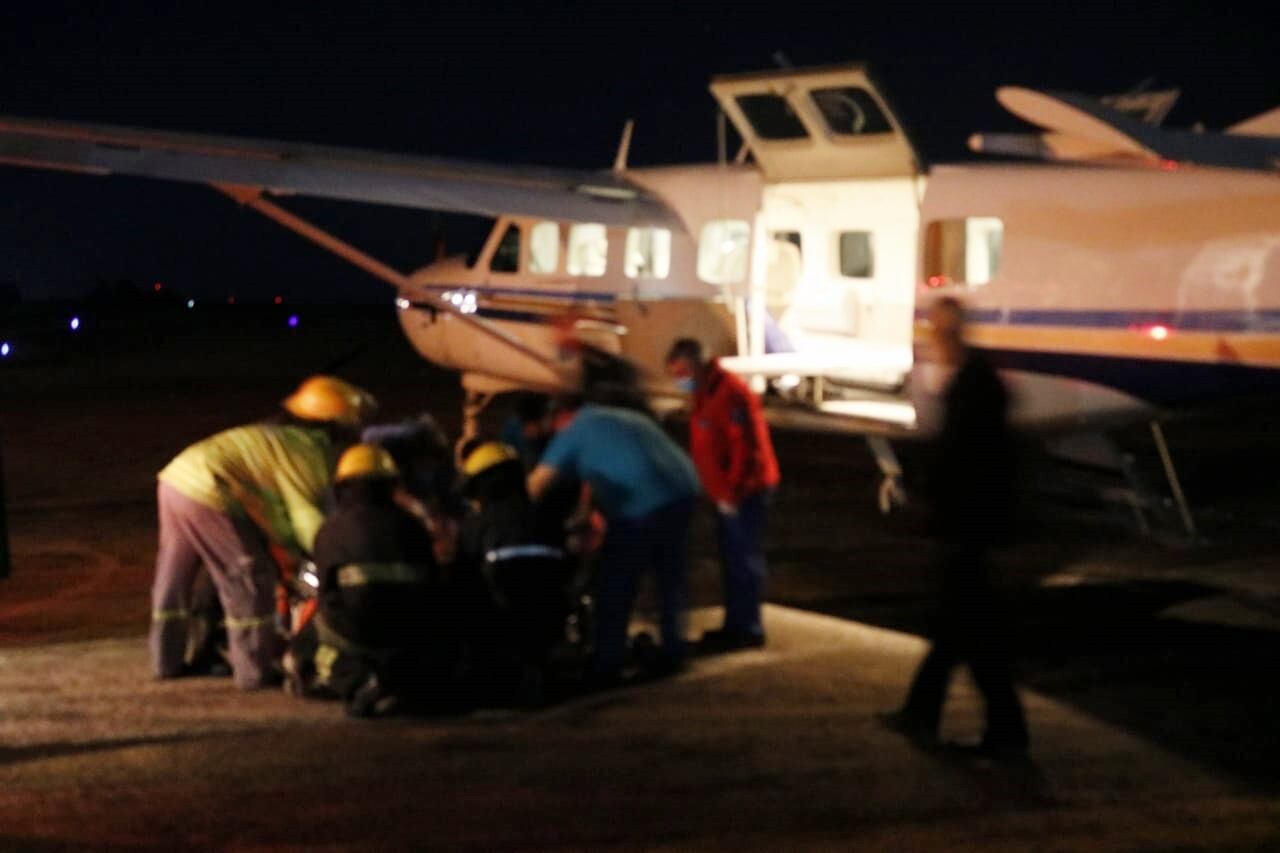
<point>1264,124</point>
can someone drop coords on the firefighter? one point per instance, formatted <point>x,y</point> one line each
<point>236,503</point>
<point>370,642</point>
<point>512,573</point>
<point>730,444</point>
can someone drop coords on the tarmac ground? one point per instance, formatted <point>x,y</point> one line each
<point>1147,661</point>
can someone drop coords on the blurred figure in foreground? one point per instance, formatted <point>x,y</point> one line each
<point>972,484</point>
<point>372,639</point>
<point>730,444</point>
<point>645,486</point>
<point>236,503</point>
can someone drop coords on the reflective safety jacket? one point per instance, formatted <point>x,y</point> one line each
<point>274,474</point>
<point>729,439</point>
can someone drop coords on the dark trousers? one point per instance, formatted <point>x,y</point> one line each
<point>971,628</point>
<point>742,563</point>
<point>656,542</point>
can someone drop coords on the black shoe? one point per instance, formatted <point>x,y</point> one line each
<point>724,640</point>
<point>371,700</point>
<point>907,725</point>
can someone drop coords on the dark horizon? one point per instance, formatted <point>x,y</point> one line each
<point>549,86</point>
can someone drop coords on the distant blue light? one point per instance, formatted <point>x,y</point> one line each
<point>75,323</point>
<point>293,321</point>
<point>4,350</point>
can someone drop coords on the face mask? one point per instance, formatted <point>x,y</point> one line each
<point>686,384</point>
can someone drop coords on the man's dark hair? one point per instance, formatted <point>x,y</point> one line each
<point>686,348</point>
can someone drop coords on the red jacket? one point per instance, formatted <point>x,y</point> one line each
<point>729,439</point>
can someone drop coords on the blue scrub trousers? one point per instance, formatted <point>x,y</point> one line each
<point>656,542</point>
<point>742,564</point>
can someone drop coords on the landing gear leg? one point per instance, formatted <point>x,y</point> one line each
<point>474,404</point>
<point>891,492</point>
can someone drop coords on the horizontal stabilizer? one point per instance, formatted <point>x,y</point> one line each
<point>1128,138</point>
<point>429,183</point>
<point>1264,124</point>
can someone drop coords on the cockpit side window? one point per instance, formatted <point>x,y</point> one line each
<point>771,117</point>
<point>506,258</point>
<point>850,111</point>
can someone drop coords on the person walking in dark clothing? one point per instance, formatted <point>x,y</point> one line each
<point>972,484</point>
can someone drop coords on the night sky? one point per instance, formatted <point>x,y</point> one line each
<point>521,83</point>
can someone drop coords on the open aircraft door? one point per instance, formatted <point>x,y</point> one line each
<point>841,203</point>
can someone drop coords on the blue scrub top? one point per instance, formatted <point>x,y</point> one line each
<point>633,467</point>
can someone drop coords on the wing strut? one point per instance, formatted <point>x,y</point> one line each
<point>252,197</point>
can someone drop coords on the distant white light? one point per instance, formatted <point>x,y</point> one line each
<point>4,350</point>
<point>402,303</point>
<point>787,382</point>
<point>191,303</point>
<point>75,324</point>
<point>468,305</point>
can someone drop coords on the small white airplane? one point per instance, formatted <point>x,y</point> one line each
<point>1137,270</point>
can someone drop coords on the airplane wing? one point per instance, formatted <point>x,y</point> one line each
<point>1083,128</point>
<point>285,168</point>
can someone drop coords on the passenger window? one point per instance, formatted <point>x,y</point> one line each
<point>771,117</point>
<point>856,259</point>
<point>648,253</point>
<point>722,251</point>
<point>850,111</point>
<point>544,248</point>
<point>506,258</point>
<point>963,251</point>
<point>588,249</point>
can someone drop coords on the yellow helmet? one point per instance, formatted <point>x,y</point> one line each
<point>365,460</point>
<point>486,456</point>
<point>327,398</point>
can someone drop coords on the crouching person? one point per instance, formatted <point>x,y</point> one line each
<point>511,576</point>
<point>370,643</point>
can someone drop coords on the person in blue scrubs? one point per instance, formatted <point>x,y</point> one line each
<point>645,485</point>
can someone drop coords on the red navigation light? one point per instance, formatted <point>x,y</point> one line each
<point>157,287</point>
<point>278,300</point>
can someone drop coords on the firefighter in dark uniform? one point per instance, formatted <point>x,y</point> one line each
<point>511,575</point>
<point>371,642</point>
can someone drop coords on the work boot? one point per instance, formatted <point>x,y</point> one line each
<point>908,726</point>
<point>370,700</point>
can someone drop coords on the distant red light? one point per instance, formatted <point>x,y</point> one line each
<point>278,300</point>
<point>157,287</point>
<point>1169,165</point>
<point>937,280</point>
<point>231,300</point>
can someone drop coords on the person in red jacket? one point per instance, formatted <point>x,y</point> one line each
<point>730,445</point>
